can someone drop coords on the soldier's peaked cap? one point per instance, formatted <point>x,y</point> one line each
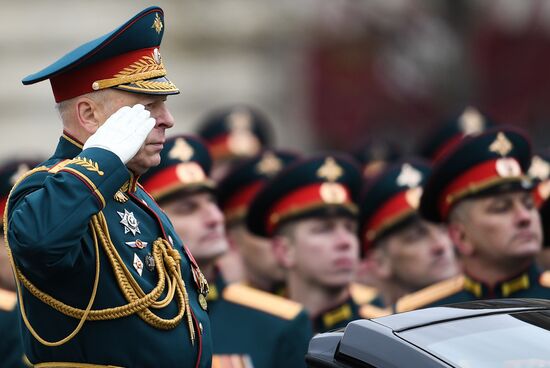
<point>315,186</point>
<point>185,166</point>
<point>127,58</point>
<point>494,161</point>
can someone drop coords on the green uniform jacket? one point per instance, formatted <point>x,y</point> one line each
<point>11,348</point>
<point>48,231</point>
<point>252,328</point>
<point>530,284</point>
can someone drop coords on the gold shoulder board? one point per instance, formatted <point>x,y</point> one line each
<point>429,294</point>
<point>8,300</point>
<point>362,294</point>
<point>261,300</point>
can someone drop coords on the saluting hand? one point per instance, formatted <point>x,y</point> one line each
<point>124,132</point>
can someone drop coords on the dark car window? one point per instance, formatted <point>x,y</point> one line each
<point>503,340</point>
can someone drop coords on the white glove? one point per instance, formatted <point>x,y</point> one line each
<point>124,132</point>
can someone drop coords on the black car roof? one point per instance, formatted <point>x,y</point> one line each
<point>421,317</point>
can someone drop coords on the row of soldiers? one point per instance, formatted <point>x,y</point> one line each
<point>217,250</point>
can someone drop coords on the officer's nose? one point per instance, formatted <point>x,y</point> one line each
<point>164,117</point>
<point>523,214</point>
<point>213,214</point>
<point>345,238</point>
<point>440,241</point>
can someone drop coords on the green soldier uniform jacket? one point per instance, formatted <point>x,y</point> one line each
<point>252,328</point>
<point>11,352</point>
<point>529,284</point>
<point>52,239</point>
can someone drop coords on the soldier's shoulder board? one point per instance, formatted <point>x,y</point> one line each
<point>545,279</point>
<point>362,294</point>
<point>372,311</point>
<point>261,300</point>
<point>8,300</point>
<point>430,294</point>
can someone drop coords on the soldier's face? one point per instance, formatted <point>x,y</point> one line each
<point>503,226</point>
<point>324,251</point>
<point>149,154</point>
<point>200,224</point>
<point>418,255</point>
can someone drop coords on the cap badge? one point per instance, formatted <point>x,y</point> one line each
<point>269,165</point>
<point>190,172</point>
<point>157,57</point>
<point>330,170</point>
<point>129,221</point>
<point>241,140</point>
<point>157,24</point>
<point>333,193</point>
<point>508,167</point>
<point>181,151</point>
<point>539,169</point>
<point>413,197</point>
<point>409,176</point>
<point>501,145</point>
<point>471,121</point>
<point>21,169</point>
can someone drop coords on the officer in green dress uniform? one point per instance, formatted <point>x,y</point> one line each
<point>310,211</point>
<point>236,191</point>
<point>481,190</point>
<point>250,328</point>
<point>11,346</point>
<point>103,278</point>
<point>406,251</point>
<point>467,122</point>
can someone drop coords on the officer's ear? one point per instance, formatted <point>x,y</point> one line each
<point>459,237</point>
<point>89,114</point>
<point>284,252</point>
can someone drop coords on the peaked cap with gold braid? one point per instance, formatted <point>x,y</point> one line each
<point>185,165</point>
<point>391,199</point>
<point>326,184</point>
<point>492,162</point>
<point>127,58</point>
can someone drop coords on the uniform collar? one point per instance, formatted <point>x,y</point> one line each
<point>505,288</point>
<point>68,147</point>
<point>336,315</point>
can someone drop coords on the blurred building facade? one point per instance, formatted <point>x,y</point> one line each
<point>329,73</point>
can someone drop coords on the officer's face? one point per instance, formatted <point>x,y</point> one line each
<point>324,251</point>
<point>200,224</point>
<point>418,255</point>
<point>503,226</point>
<point>149,154</point>
<point>257,255</point>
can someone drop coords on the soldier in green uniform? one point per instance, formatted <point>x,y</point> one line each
<point>11,346</point>
<point>310,211</point>
<point>407,252</point>
<point>481,190</point>
<point>236,191</point>
<point>83,234</point>
<point>250,328</point>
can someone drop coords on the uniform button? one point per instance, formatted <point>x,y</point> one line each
<point>200,327</point>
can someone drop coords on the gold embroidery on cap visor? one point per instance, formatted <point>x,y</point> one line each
<point>137,76</point>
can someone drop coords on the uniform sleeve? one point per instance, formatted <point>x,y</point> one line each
<point>49,212</point>
<point>295,343</point>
